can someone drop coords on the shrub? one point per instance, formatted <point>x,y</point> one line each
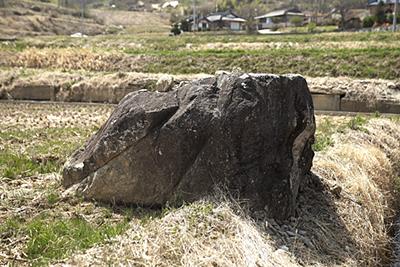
<point>185,26</point>
<point>175,29</point>
<point>311,27</point>
<point>369,21</point>
<point>389,18</point>
<point>274,28</point>
<point>296,21</point>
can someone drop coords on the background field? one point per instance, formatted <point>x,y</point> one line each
<point>363,55</point>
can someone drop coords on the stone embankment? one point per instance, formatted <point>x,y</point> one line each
<point>329,93</point>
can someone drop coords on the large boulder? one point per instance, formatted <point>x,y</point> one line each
<point>250,133</point>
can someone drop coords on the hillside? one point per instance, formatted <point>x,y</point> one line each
<point>34,18</point>
<point>133,21</point>
<point>26,18</point>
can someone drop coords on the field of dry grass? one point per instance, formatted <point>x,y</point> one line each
<point>357,55</point>
<point>344,213</point>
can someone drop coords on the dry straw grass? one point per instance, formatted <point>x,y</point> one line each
<point>201,234</point>
<point>350,229</point>
<point>69,59</point>
<point>365,165</point>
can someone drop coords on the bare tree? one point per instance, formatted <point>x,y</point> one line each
<point>395,15</point>
<point>249,10</point>
<point>343,7</point>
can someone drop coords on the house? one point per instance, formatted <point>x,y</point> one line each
<point>388,6</point>
<point>226,20</point>
<point>278,18</point>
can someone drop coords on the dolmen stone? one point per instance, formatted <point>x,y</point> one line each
<point>248,133</point>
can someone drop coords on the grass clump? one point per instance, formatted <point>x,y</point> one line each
<point>326,128</point>
<point>13,165</point>
<point>357,123</point>
<point>322,142</point>
<point>52,197</point>
<point>38,151</point>
<point>51,239</point>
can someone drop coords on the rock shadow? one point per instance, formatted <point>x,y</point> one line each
<point>316,234</point>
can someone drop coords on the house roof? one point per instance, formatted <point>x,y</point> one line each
<point>282,12</point>
<point>233,19</point>
<point>376,2</point>
<point>224,16</point>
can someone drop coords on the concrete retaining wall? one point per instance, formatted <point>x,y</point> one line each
<point>336,103</point>
<point>34,92</point>
<point>326,102</point>
<point>323,102</point>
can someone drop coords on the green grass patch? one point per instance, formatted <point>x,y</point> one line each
<point>326,128</point>
<point>52,197</point>
<point>322,142</point>
<point>44,150</point>
<point>13,165</point>
<point>52,239</point>
<point>357,123</point>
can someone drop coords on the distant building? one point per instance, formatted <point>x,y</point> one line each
<point>280,18</point>
<point>226,20</point>
<point>388,6</point>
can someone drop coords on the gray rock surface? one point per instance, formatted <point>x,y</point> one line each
<point>251,133</point>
